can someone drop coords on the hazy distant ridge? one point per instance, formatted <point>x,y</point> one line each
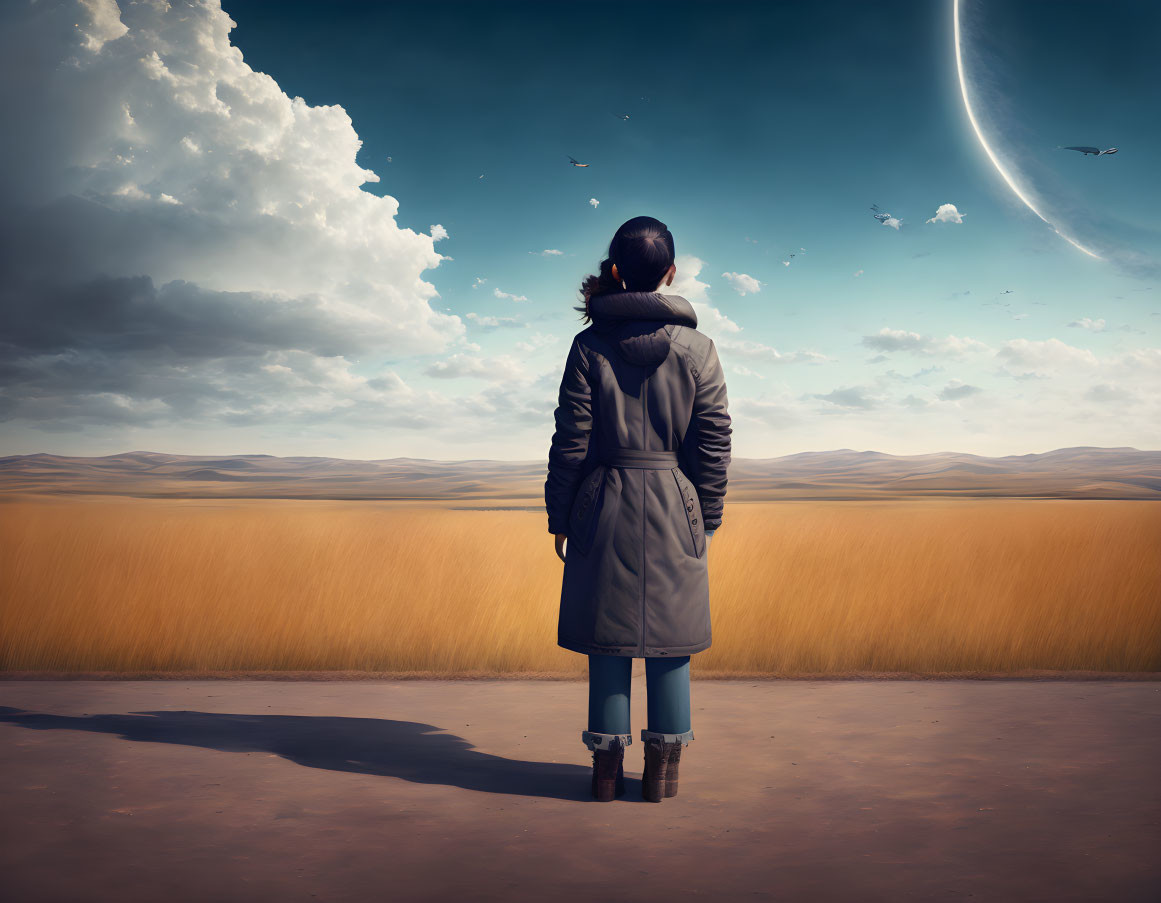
<point>1081,472</point>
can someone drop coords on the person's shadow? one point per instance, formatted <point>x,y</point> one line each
<point>409,750</point>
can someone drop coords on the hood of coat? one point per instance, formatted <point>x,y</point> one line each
<point>635,322</point>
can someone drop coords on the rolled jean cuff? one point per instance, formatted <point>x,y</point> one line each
<point>594,740</point>
<point>683,738</point>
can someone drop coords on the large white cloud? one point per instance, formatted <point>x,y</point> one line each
<point>169,208</point>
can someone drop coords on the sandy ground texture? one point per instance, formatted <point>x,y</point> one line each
<point>1002,790</point>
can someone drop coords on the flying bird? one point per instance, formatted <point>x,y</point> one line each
<point>621,115</point>
<point>1095,151</point>
<point>1006,291</point>
<point>879,214</point>
<point>575,163</point>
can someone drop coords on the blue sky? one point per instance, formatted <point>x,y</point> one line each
<point>755,129</point>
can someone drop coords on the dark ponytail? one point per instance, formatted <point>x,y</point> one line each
<point>643,251</point>
<point>602,284</point>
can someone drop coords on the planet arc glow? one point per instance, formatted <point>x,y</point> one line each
<point>988,150</point>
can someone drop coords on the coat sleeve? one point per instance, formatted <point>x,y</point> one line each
<point>570,442</point>
<point>709,439</point>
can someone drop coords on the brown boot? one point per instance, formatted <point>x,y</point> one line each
<point>608,773</point>
<point>671,770</point>
<point>657,755</point>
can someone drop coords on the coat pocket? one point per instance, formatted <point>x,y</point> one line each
<point>582,519</point>
<point>692,505</point>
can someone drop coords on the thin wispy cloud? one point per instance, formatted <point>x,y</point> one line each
<point>860,397</point>
<point>487,322</point>
<point>758,351</point>
<point>957,390</point>
<point>891,340</point>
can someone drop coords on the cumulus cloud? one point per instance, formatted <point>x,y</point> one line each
<point>687,284</point>
<point>548,252</point>
<point>947,214</point>
<point>742,283</point>
<point>193,238</point>
<point>892,222</point>
<point>511,297</point>
<point>1090,324</point>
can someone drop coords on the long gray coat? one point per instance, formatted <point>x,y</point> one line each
<point>640,377</point>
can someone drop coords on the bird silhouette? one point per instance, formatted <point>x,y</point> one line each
<point>575,163</point>
<point>1095,151</point>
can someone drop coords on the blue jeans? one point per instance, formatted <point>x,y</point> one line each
<point>667,683</point>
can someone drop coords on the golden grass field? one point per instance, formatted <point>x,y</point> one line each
<point>120,584</point>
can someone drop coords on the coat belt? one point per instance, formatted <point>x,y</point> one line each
<point>640,457</point>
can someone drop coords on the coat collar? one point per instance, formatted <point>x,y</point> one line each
<point>642,306</point>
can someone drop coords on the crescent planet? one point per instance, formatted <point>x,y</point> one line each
<point>1007,177</point>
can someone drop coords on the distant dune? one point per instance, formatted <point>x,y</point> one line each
<point>1085,472</point>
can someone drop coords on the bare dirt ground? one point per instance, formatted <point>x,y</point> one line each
<point>853,790</point>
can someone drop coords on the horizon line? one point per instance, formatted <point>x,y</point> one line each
<point>545,458</point>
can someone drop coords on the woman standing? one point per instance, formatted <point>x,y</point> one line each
<point>636,484</point>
